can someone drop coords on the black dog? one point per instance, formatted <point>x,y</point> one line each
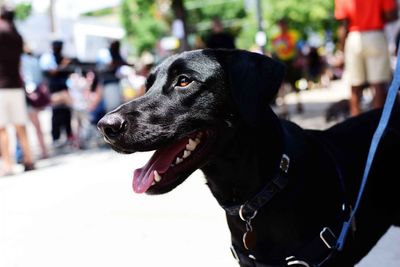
<point>338,111</point>
<point>286,190</point>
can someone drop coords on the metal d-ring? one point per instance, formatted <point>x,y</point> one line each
<point>242,216</point>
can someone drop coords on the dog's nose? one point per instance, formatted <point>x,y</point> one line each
<point>112,126</point>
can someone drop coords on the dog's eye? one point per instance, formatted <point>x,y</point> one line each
<point>183,81</point>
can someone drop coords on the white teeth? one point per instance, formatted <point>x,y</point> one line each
<point>186,154</point>
<point>191,146</point>
<point>157,177</point>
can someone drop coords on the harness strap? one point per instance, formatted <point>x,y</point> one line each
<point>266,194</point>
<point>277,184</point>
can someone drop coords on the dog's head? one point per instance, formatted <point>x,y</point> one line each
<point>191,100</point>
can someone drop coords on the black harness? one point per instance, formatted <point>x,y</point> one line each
<point>314,254</point>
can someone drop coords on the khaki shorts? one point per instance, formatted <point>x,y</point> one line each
<point>367,58</point>
<point>13,108</point>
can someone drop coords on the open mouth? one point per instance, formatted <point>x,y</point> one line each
<point>170,165</point>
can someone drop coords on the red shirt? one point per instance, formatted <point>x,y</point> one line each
<point>363,15</point>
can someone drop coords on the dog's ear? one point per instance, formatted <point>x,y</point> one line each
<point>254,82</point>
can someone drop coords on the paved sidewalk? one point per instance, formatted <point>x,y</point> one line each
<point>79,210</point>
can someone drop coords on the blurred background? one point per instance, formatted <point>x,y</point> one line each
<point>74,205</point>
<point>154,26</point>
<point>162,27</point>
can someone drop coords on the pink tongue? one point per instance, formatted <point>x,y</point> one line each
<point>160,162</point>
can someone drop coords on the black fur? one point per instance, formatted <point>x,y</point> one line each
<point>338,111</point>
<point>229,96</point>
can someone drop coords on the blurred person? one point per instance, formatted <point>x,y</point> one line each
<point>284,49</point>
<point>134,82</point>
<point>79,90</point>
<point>13,109</point>
<point>336,64</point>
<point>32,77</point>
<point>365,46</point>
<point>315,66</point>
<point>128,82</point>
<point>95,108</point>
<point>108,66</point>
<point>218,37</point>
<point>147,62</point>
<point>56,70</point>
<point>96,104</point>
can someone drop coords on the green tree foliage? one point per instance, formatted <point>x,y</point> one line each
<point>315,14</point>
<point>142,23</point>
<point>145,24</point>
<point>101,12</point>
<point>23,10</point>
<point>231,12</point>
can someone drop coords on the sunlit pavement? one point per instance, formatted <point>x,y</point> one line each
<point>79,210</point>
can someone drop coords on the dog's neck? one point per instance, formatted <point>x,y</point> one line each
<point>228,171</point>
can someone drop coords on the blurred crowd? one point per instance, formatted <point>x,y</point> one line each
<point>77,94</point>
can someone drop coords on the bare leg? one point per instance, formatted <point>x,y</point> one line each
<point>34,117</point>
<point>355,99</point>
<point>5,150</point>
<point>379,95</point>
<point>23,139</point>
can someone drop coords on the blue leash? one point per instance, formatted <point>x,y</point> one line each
<point>387,110</point>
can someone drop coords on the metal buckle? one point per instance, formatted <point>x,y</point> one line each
<point>291,261</point>
<point>284,164</point>
<point>328,237</point>
<point>242,216</point>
